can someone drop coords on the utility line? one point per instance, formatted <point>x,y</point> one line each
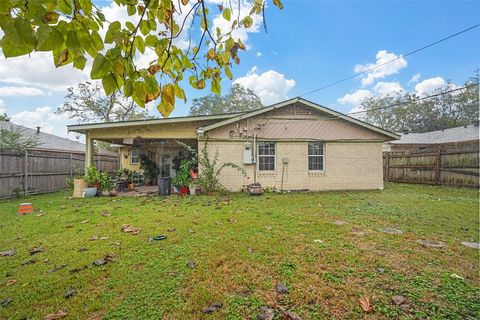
<point>416,100</point>
<point>390,61</point>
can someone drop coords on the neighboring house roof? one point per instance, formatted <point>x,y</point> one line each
<point>49,141</point>
<point>313,105</point>
<point>81,128</point>
<point>457,134</point>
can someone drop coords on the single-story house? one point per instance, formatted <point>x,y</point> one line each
<point>408,140</point>
<point>295,144</point>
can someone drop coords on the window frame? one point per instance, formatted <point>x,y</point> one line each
<point>137,156</point>
<point>322,156</point>
<point>265,156</point>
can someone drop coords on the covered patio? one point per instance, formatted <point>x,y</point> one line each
<point>162,140</point>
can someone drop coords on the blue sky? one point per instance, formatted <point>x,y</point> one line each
<point>309,44</point>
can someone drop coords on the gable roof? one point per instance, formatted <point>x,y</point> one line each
<point>458,134</point>
<point>49,141</point>
<point>313,105</point>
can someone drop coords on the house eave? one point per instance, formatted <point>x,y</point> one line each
<point>83,128</point>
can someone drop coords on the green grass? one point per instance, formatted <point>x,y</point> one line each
<point>243,246</point>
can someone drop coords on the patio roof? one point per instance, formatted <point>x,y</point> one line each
<point>82,128</point>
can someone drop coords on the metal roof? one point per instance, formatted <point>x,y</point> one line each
<point>49,141</point>
<point>307,103</point>
<point>457,134</point>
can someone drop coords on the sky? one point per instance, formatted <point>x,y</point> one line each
<point>308,45</point>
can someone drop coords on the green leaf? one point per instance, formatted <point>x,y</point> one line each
<point>79,62</point>
<point>101,67</point>
<point>144,27</point>
<point>86,6</point>
<point>216,87</point>
<point>48,39</point>
<point>50,17</point>
<point>247,21</point>
<point>228,73</point>
<point>109,84</point>
<point>130,26</point>
<point>131,10</point>
<point>139,93</point>
<point>227,14</point>
<point>112,31</point>
<point>179,93</point>
<point>139,44</point>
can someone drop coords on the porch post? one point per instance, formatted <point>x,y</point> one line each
<point>88,151</point>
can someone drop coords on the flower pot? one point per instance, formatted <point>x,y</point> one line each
<point>183,190</point>
<point>78,186</point>
<point>255,189</point>
<point>90,192</point>
<point>193,189</point>
<point>131,186</point>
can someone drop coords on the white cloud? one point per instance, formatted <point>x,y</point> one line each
<point>355,97</point>
<point>38,70</point>
<point>238,33</point>
<point>386,88</point>
<point>259,54</point>
<point>2,107</point>
<point>20,91</point>
<point>429,85</point>
<point>414,78</point>
<point>270,86</point>
<point>381,70</point>
<point>45,118</point>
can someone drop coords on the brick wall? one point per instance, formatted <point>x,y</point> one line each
<point>348,165</point>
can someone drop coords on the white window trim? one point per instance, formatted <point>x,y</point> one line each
<point>131,157</point>
<point>323,157</point>
<point>274,157</point>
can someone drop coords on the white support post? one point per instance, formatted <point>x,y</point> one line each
<point>88,152</point>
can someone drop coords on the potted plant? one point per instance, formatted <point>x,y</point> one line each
<point>128,177</point>
<point>92,178</point>
<point>150,169</point>
<point>79,184</point>
<point>182,178</point>
<point>106,184</point>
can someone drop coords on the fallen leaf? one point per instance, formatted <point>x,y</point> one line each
<point>212,308</point>
<point>127,229</point>
<point>58,315</point>
<point>366,304</point>
<point>10,282</point>
<point>8,253</point>
<point>35,250</point>
<point>60,267</point>
<point>191,264</point>
<point>281,288</point>
<point>70,293</point>
<point>84,221</point>
<point>289,315</point>
<point>93,238</point>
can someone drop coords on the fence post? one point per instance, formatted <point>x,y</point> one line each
<point>71,166</point>
<point>438,160</point>
<point>25,180</point>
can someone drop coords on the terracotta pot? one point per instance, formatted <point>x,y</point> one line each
<point>131,186</point>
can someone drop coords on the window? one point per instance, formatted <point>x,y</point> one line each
<point>315,156</point>
<point>266,156</point>
<point>135,157</point>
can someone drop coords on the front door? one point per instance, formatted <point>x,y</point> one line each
<point>165,167</point>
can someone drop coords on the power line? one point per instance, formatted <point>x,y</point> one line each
<point>390,61</point>
<point>416,100</point>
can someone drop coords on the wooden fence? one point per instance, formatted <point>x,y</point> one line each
<point>40,171</point>
<point>453,164</point>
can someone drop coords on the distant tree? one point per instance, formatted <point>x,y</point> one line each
<point>88,102</point>
<point>239,99</point>
<point>4,117</point>
<point>17,139</point>
<point>447,110</point>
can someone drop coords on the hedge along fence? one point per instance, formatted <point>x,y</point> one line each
<point>40,171</point>
<point>453,164</point>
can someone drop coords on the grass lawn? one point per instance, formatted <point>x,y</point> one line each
<point>243,247</point>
